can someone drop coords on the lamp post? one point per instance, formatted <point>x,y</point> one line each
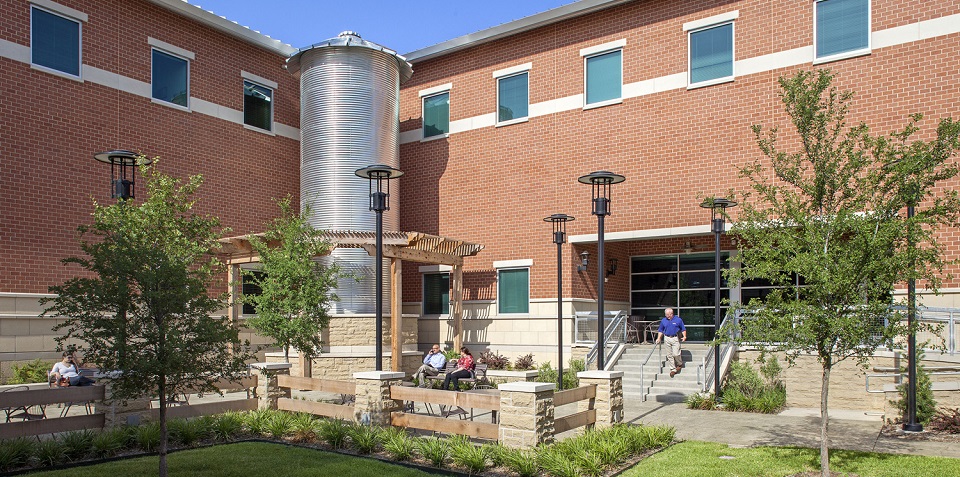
<point>600,182</point>
<point>379,174</point>
<point>910,423</point>
<point>717,225</point>
<point>122,165</point>
<point>559,237</point>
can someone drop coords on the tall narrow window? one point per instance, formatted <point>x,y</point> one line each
<point>257,106</point>
<point>842,28</point>
<point>436,115</point>
<point>512,97</point>
<point>249,288</point>
<point>513,290</point>
<point>55,41</point>
<point>604,77</point>
<point>711,55</point>
<point>436,294</point>
<point>170,78</point>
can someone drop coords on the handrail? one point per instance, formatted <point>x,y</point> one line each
<point>658,346</point>
<point>902,376</point>
<point>617,322</point>
<point>706,364</point>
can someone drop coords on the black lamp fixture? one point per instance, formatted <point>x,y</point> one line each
<point>559,237</point>
<point>600,182</point>
<point>122,176</point>
<point>717,226</point>
<point>612,267</point>
<point>379,175</point>
<point>584,261</point>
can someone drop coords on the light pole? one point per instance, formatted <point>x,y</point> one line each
<point>122,165</point>
<point>600,182</point>
<point>559,237</point>
<point>910,423</point>
<point>379,174</point>
<point>717,225</point>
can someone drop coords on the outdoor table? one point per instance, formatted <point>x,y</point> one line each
<point>491,391</point>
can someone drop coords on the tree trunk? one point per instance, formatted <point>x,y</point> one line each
<point>163,426</point>
<point>286,354</point>
<point>824,424</point>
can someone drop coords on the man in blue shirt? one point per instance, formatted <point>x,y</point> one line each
<point>433,362</point>
<point>672,332</point>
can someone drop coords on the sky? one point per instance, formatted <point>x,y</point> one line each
<point>401,25</point>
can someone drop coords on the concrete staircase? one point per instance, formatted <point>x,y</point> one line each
<point>658,385</point>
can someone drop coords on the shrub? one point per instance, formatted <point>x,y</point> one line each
<point>946,420</point>
<point>494,360</point>
<point>15,453</point>
<point>31,372</point>
<point>546,374</point>
<point>451,354</point>
<point>435,450</point>
<point>496,452</point>
<point>147,436</point>
<point>702,401</point>
<point>364,439</point>
<point>304,427</point>
<point>47,453</point>
<point>398,444</point>
<point>257,421</point>
<point>557,462</point>
<point>524,363</point>
<point>334,432</point>
<point>279,425</point>
<point>227,426</point>
<point>109,442</point>
<point>77,444</point>
<point>926,404</point>
<point>188,432</point>
<point>521,462</point>
<point>745,389</point>
<point>468,455</point>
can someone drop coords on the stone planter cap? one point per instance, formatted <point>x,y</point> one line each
<point>271,366</point>
<point>600,374</point>
<point>381,375</point>
<point>525,387</point>
<point>519,374</point>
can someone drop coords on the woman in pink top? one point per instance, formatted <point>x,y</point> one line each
<point>464,369</point>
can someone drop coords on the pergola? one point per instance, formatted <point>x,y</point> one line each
<point>397,246</point>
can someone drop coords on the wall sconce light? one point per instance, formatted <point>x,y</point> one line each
<point>584,261</point>
<point>687,247</point>
<point>611,267</point>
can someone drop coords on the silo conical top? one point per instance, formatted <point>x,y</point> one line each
<point>351,39</point>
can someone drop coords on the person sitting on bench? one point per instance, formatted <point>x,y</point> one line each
<point>433,362</point>
<point>66,372</point>
<point>465,366</point>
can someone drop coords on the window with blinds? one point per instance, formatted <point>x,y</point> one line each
<point>842,27</point>
<point>513,290</point>
<point>436,294</point>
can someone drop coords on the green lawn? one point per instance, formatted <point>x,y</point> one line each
<point>703,459</point>
<point>244,459</point>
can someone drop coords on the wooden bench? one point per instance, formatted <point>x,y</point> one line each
<point>479,373</point>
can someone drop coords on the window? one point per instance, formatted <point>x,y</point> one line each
<point>603,73</point>
<point>55,41</point>
<point>257,106</point>
<point>436,115</point>
<point>514,290</point>
<point>249,288</point>
<point>436,294</point>
<point>711,55</point>
<point>170,78</point>
<point>842,28</point>
<point>513,94</point>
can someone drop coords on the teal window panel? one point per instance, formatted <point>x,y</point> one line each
<point>842,26</point>
<point>514,291</point>
<point>257,106</point>
<point>170,78</point>
<point>436,294</point>
<point>711,53</point>
<point>513,97</point>
<point>55,42</point>
<point>604,77</point>
<point>436,115</point>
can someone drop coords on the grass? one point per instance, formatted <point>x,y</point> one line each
<point>703,459</point>
<point>243,460</point>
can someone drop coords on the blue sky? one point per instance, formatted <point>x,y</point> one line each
<point>401,25</point>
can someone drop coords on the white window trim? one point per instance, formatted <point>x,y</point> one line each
<point>423,110</point>
<point>733,53</point>
<point>160,101</point>
<point>601,52</point>
<point>273,95</point>
<point>435,268</point>
<point>711,21</point>
<point>522,263</point>
<point>171,49</point>
<point>603,48</point>
<point>66,13</point>
<point>259,80</point>
<point>517,267</point>
<point>496,113</point>
<point>423,291</point>
<point>847,54</point>
<point>513,70</point>
<point>436,90</point>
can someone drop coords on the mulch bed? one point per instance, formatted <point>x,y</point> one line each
<point>895,431</point>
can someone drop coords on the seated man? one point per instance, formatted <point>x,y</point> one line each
<point>66,370</point>
<point>433,362</point>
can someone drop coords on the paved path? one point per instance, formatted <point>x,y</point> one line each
<point>848,429</point>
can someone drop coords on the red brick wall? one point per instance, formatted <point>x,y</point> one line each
<point>52,126</point>
<point>494,185</point>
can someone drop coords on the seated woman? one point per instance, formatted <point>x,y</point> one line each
<point>67,370</point>
<point>465,366</point>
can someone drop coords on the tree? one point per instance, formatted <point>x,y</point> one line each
<point>141,306</point>
<point>823,221</point>
<point>295,289</point>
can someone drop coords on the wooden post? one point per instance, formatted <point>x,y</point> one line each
<point>396,315</point>
<point>456,305</point>
<point>233,303</point>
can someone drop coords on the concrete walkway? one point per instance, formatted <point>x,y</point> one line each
<point>852,430</point>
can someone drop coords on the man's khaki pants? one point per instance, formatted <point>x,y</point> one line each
<point>673,351</point>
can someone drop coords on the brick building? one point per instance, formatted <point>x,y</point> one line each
<point>495,129</point>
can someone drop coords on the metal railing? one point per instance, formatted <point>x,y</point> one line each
<point>614,335</point>
<point>902,377</point>
<point>936,316</point>
<point>659,348</point>
<point>706,368</point>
